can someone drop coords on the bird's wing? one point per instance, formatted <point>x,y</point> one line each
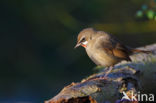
<point>115,48</point>
<point>121,51</point>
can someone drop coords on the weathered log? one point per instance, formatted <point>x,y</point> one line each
<point>138,75</point>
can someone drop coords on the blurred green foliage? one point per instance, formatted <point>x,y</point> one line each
<point>38,36</point>
<point>147,11</point>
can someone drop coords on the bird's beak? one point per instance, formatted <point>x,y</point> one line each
<point>77,45</point>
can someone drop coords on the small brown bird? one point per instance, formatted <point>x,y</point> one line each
<point>103,48</point>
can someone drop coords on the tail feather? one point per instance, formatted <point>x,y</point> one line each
<point>140,51</point>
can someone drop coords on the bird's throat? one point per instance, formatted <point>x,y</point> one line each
<point>83,45</point>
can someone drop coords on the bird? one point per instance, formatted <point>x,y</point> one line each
<point>104,49</point>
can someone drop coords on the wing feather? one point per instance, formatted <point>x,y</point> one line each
<point>115,48</point>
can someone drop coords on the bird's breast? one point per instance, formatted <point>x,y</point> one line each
<point>101,57</point>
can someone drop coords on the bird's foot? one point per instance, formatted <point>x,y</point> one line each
<point>100,78</point>
<point>108,71</point>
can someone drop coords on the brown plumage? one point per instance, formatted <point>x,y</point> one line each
<point>103,48</point>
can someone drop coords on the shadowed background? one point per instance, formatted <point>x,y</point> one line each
<point>37,58</point>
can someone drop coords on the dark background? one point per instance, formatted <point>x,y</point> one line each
<point>37,58</point>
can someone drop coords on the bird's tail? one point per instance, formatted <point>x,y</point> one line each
<point>140,51</point>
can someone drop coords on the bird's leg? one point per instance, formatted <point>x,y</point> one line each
<point>108,71</point>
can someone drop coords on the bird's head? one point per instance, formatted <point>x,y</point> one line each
<point>84,37</point>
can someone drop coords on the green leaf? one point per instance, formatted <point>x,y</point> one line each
<point>150,14</point>
<point>139,13</point>
<point>144,7</point>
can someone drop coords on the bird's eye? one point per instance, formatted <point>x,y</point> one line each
<point>83,39</point>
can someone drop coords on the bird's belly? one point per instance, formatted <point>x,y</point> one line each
<point>102,59</point>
